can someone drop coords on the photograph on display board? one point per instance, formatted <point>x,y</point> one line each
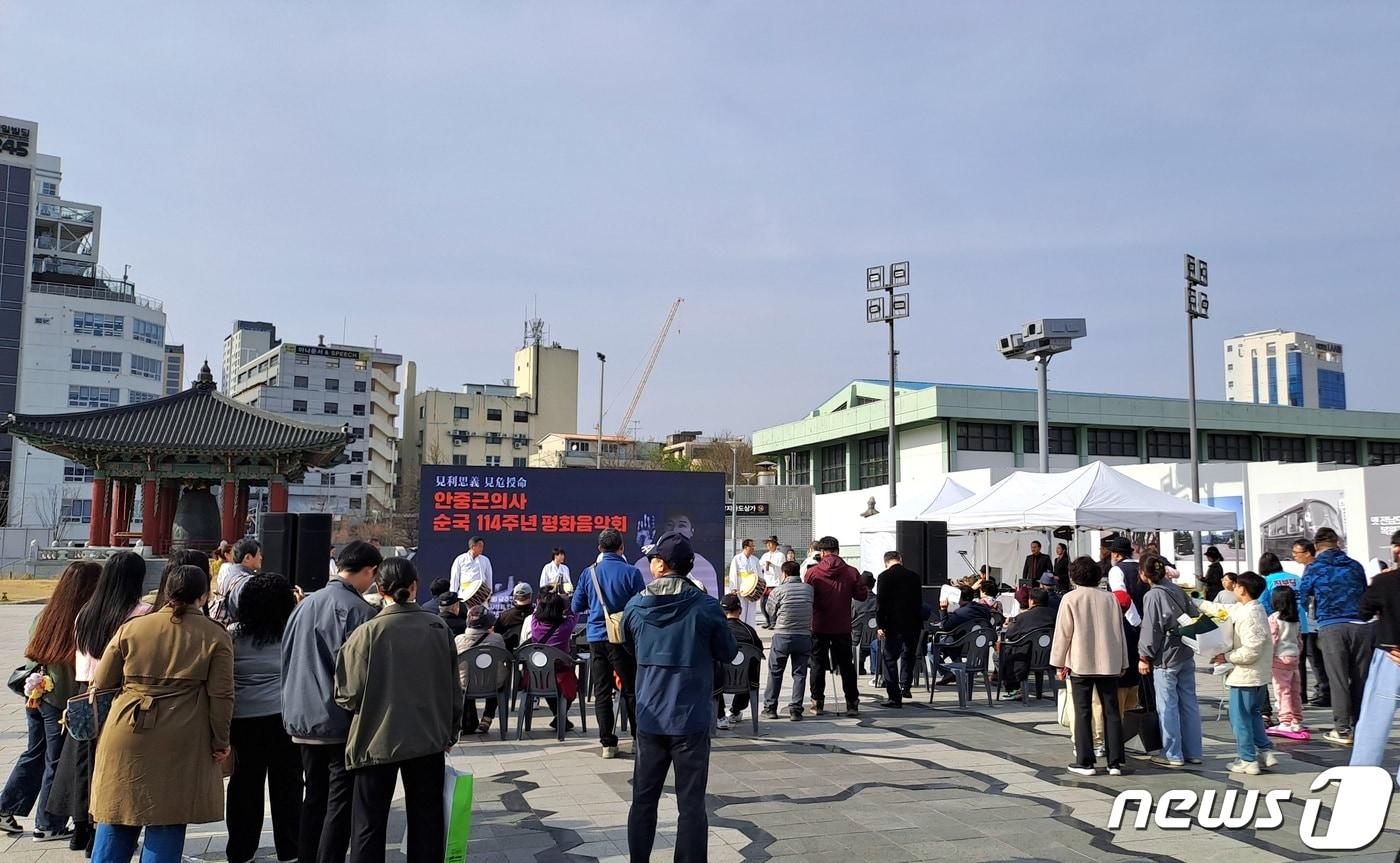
<point>1288,518</point>
<point>1230,543</point>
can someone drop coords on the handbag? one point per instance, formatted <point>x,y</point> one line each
<point>17,678</point>
<point>1150,727</point>
<point>1064,706</point>
<point>85,713</point>
<point>613,621</point>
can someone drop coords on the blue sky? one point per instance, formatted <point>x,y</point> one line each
<point>427,172</point>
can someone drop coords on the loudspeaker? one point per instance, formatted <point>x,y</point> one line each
<point>313,545</point>
<point>909,540</point>
<point>935,552</point>
<point>277,533</point>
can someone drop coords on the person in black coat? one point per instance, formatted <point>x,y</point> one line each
<point>1037,563</point>
<point>449,608</point>
<point>1014,659</point>
<point>743,634</point>
<point>1061,565</point>
<point>954,625</point>
<point>900,625</point>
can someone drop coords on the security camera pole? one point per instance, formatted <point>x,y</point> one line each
<point>886,309</point>
<point>1038,341</point>
<point>1197,306</point>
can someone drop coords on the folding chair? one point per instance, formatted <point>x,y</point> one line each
<point>974,644</point>
<point>489,670</point>
<point>736,679</point>
<point>583,661</point>
<point>1038,663</point>
<point>538,664</point>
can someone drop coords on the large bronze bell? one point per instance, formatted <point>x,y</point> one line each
<point>197,523</point>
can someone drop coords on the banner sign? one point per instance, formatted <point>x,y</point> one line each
<point>523,514</point>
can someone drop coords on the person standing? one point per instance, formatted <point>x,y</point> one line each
<point>791,604</point>
<point>1381,599</point>
<point>1060,568</point>
<point>1304,553</point>
<point>899,621</point>
<point>1172,665</point>
<point>247,559</point>
<point>315,633</point>
<point>157,766</point>
<point>265,753</point>
<point>397,677</point>
<point>471,565</point>
<point>814,557</point>
<point>51,653</point>
<point>556,573</point>
<point>1037,563</point>
<point>744,563</point>
<point>1213,582</point>
<point>1089,649</point>
<point>771,567</point>
<point>1251,657</point>
<point>604,589</point>
<point>834,584</point>
<point>1346,639</point>
<point>678,635</point>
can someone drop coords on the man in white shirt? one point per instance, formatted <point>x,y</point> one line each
<point>556,574</point>
<point>743,562</point>
<point>771,567</point>
<point>812,559</point>
<point>471,565</point>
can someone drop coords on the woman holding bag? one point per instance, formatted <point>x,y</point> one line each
<point>1090,650</point>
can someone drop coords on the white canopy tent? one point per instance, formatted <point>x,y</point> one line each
<point>877,533</point>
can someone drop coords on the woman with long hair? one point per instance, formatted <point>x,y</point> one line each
<point>51,653</point>
<point>553,624</point>
<point>115,600</point>
<point>177,559</point>
<point>157,767</point>
<point>406,715</point>
<point>265,753</point>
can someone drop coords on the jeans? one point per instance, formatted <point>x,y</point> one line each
<point>607,658</point>
<point>324,836</point>
<point>422,806</point>
<point>798,648</point>
<point>900,653</point>
<point>1083,691</point>
<point>264,755</point>
<point>1377,713</point>
<point>656,753</point>
<point>1347,649</point>
<point>32,776</point>
<point>1247,721</point>
<point>1179,710</point>
<point>834,651</point>
<point>116,843</point>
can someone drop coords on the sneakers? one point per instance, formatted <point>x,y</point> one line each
<point>1100,752</point>
<point>852,711</point>
<point>793,715</point>
<point>1080,770</point>
<point>1291,730</point>
<point>1195,761</point>
<point>1339,737</point>
<point>723,723</point>
<point>53,835</point>
<point>892,704</point>
<point>1119,770</point>
<point>484,727</point>
<point>1163,761</point>
<point>609,752</point>
<point>1249,768</point>
<point>1011,695</point>
<point>768,713</point>
<point>1268,759</point>
<point>906,694</point>
<point>9,825</point>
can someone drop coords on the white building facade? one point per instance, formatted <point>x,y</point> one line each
<point>1276,367</point>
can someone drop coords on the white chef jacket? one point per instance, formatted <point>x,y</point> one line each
<point>556,574</point>
<point>771,566</point>
<point>467,568</point>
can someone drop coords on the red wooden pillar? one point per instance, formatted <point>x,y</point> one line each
<point>118,504</point>
<point>228,510</point>
<point>150,533</point>
<point>277,494</point>
<point>242,509</point>
<point>97,526</point>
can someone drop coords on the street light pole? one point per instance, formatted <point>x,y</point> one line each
<point>1197,306</point>
<point>1042,368</point>
<point>887,309</point>
<point>602,372</point>
<point>1039,341</point>
<point>734,502</point>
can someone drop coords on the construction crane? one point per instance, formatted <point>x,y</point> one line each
<point>651,364</point>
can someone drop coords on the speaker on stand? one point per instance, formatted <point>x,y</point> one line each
<point>277,534</point>
<point>313,546</point>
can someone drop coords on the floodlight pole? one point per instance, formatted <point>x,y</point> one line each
<point>1197,306</point>
<point>887,309</point>
<point>893,452</point>
<point>602,371</point>
<point>1042,368</point>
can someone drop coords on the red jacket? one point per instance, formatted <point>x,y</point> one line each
<point>834,584</point>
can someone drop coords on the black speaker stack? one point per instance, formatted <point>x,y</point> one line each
<point>924,545</point>
<point>297,545</point>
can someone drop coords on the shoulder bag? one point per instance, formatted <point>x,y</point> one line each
<point>85,713</point>
<point>611,619</point>
<point>17,678</point>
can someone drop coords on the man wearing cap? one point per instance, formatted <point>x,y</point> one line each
<point>1123,581</point>
<point>771,567</point>
<point>834,584</point>
<point>512,620</point>
<point>604,589</point>
<point>678,635</point>
<point>744,563</point>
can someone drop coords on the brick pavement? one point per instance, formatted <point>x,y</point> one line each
<point>894,787</point>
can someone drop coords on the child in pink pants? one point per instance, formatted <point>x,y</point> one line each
<point>1288,691</point>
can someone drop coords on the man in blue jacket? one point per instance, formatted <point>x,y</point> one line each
<point>605,588</point>
<point>1336,583</point>
<point>677,634</point>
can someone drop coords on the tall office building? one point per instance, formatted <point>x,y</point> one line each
<point>248,340</point>
<point>339,385</point>
<point>174,369</point>
<point>1274,367</point>
<point>71,336</point>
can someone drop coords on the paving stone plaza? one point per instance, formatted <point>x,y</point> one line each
<point>894,786</point>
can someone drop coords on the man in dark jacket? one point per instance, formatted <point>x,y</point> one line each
<point>677,634</point>
<point>733,610</point>
<point>1382,599</point>
<point>1337,583</point>
<point>1013,660</point>
<point>834,584</point>
<point>969,613</point>
<point>900,626</point>
<point>618,582</point>
<point>317,629</point>
<point>513,618</point>
<point>1037,563</point>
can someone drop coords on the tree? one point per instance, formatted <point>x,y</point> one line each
<point>50,506</point>
<point>718,455</point>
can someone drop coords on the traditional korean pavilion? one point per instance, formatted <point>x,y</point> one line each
<point>177,448</point>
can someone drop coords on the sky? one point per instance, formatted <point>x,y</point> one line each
<point>431,174</point>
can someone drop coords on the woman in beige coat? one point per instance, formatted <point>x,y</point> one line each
<point>158,756</point>
<point>1089,649</point>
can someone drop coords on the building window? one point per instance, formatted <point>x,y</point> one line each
<point>302,361</point>
<point>93,397</point>
<point>359,386</point>
<point>1254,376</point>
<point>47,188</point>
<point>145,367</point>
<point>332,362</point>
<point>136,397</point>
<point>460,437</point>
<point>1294,363</point>
<point>1337,450</point>
<point>357,456</point>
<point>611,449</point>
<point>1230,447</point>
<point>96,361</point>
<point>579,446</point>
<point>801,469</point>
<point>357,410</point>
<point>1113,442</point>
<point>357,479</point>
<point>1271,371</point>
<point>984,437</point>
<point>357,433</point>
<point>494,437</point>
<point>330,408</point>
<point>522,416</point>
<point>355,503</point>
<point>834,468</point>
<point>1062,440</point>
<point>1384,452</point>
<point>1169,445</point>
<point>98,324</point>
<point>520,462</point>
<point>493,461</point>
<point>461,413</point>
<point>493,414</point>
<point>299,406</point>
<point>874,465</point>
<point>300,382</point>
<point>1331,390</point>
<point>459,461</point>
<point>74,472</point>
<point>1292,449</point>
<point>327,479</point>
<point>147,331</point>
<point>76,512</point>
<point>332,385</point>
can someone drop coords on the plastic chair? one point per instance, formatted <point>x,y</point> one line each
<point>974,644</point>
<point>538,663</point>
<point>1039,662</point>
<point>583,662</point>
<point>736,680</point>
<point>863,628</point>
<point>489,670</point>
